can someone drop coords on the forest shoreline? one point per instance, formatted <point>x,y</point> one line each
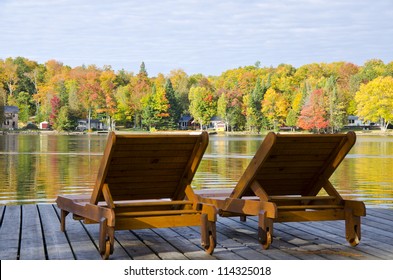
<point>389,132</point>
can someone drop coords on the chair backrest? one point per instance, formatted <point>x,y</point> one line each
<point>294,164</point>
<point>149,166</point>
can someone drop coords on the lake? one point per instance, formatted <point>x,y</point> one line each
<point>36,168</point>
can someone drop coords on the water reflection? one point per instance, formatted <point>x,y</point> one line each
<point>36,168</point>
<point>39,167</point>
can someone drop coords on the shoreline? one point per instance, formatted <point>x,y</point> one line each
<point>211,132</point>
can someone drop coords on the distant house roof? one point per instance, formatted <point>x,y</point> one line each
<point>353,118</point>
<point>11,109</point>
<point>216,119</point>
<point>91,121</point>
<point>186,118</point>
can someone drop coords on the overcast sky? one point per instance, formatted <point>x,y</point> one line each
<point>204,36</point>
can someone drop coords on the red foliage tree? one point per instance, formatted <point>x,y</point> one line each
<point>55,105</point>
<point>313,114</point>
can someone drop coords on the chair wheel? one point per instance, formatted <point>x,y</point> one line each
<point>212,244</point>
<point>108,250</point>
<point>268,241</point>
<point>354,241</point>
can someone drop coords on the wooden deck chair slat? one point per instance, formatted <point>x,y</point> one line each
<point>151,153</point>
<point>280,171</point>
<point>250,173</point>
<point>148,166</point>
<point>158,147</point>
<point>191,167</point>
<point>156,140</point>
<point>143,179</point>
<point>342,149</point>
<point>103,169</point>
<point>149,160</point>
<point>116,173</point>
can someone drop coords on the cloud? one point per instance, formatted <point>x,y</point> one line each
<point>198,36</point>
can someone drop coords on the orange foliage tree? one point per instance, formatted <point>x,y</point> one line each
<point>313,114</point>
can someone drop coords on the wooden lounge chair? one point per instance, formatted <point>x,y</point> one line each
<point>288,181</point>
<point>142,182</point>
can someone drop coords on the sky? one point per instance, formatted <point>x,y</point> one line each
<point>205,36</point>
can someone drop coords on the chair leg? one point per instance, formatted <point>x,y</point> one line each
<point>107,239</point>
<point>352,227</point>
<point>208,234</point>
<point>265,230</point>
<point>63,216</point>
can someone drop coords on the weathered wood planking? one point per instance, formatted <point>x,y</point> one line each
<point>9,233</point>
<point>33,232</point>
<point>32,240</point>
<point>245,236</point>
<point>57,245</point>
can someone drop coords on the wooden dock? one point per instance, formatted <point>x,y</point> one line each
<point>30,232</point>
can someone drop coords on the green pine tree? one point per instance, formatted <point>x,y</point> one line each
<point>174,109</point>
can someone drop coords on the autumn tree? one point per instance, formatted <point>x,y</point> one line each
<point>9,76</point>
<point>55,109</point>
<point>108,104</point>
<point>2,116</point>
<point>140,87</point>
<point>253,102</point>
<point>202,105</point>
<point>375,101</point>
<point>337,110</point>
<point>313,114</point>
<point>181,86</point>
<point>275,107</point>
<point>154,107</point>
<point>229,108</point>
<point>90,92</point>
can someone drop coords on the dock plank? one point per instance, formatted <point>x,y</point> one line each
<point>285,246</point>
<point>57,245</point>
<point>94,232</point>
<point>32,241</point>
<point>80,242</point>
<point>382,248</point>
<point>182,244</point>
<point>220,252</point>
<point>246,235</point>
<point>9,233</point>
<point>335,232</point>
<point>135,248</point>
<point>158,245</point>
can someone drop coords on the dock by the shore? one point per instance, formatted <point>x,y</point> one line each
<point>30,232</point>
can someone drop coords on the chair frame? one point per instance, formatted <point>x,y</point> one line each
<point>251,198</point>
<point>113,213</point>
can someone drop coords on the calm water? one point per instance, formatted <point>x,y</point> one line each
<point>36,168</point>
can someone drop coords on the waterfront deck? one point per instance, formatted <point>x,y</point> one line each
<point>30,232</point>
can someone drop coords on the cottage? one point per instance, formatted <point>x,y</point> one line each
<point>94,124</point>
<point>217,124</point>
<point>186,122</point>
<point>355,121</point>
<point>10,117</point>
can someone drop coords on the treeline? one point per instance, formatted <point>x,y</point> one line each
<point>317,96</point>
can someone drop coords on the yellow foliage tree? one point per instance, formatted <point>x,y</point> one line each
<point>275,107</point>
<point>375,101</point>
